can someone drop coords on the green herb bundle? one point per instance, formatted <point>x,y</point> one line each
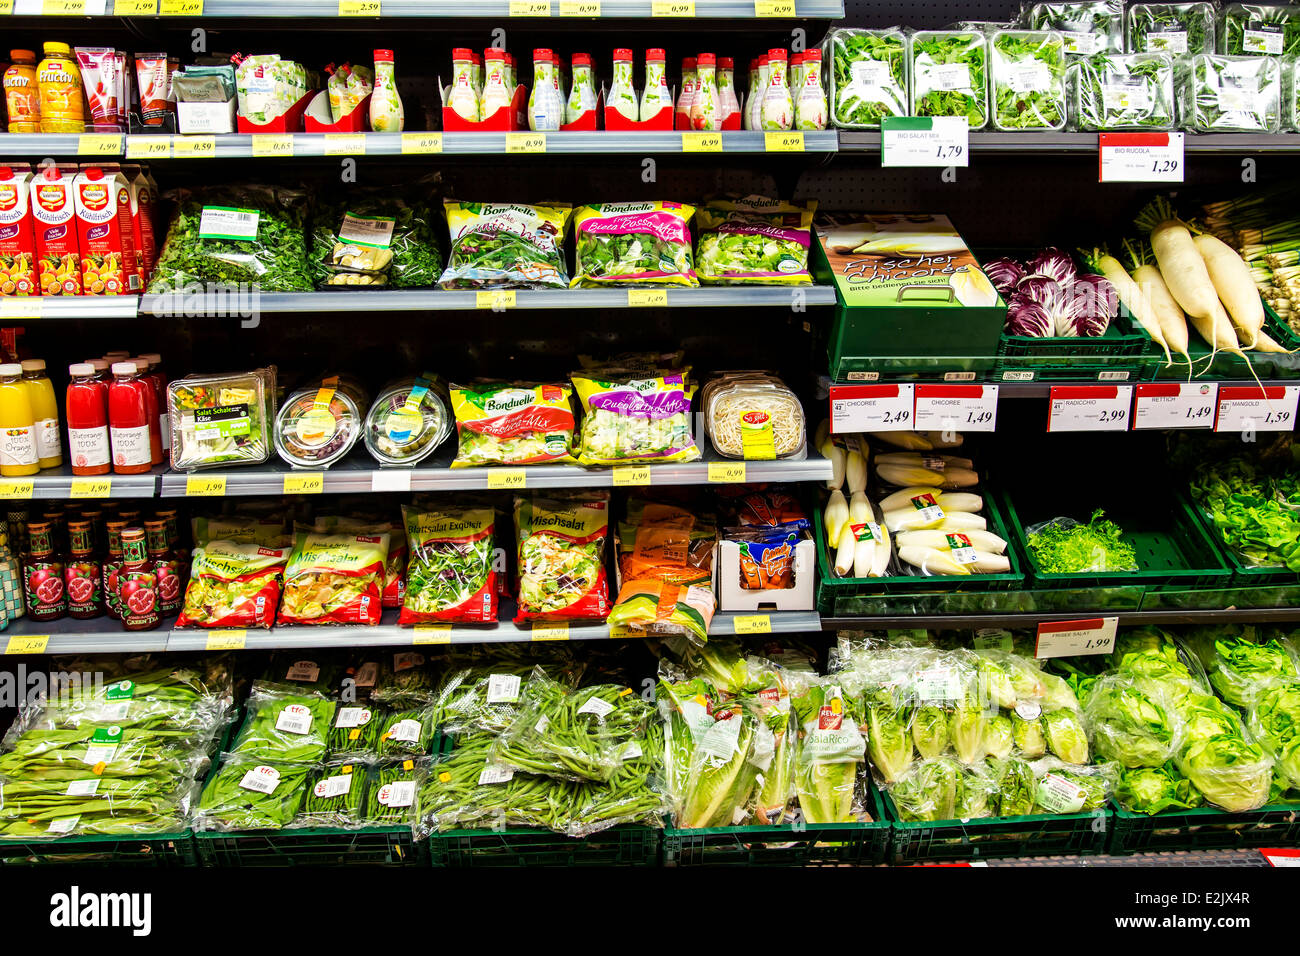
<point>950,75</point>
<point>1218,94</point>
<point>1028,69</point>
<point>1067,547</point>
<point>1253,29</point>
<point>408,680</point>
<point>868,77</point>
<point>1089,26</point>
<point>1174,28</point>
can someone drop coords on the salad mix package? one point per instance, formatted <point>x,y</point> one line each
<point>221,419</point>
<point>449,573</point>
<point>635,414</point>
<point>754,241</point>
<point>375,240</point>
<point>506,246</point>
<point>561,557</point>
<point>233,585</point>
<point>334,579</point>
<point>505,424</point>
<point>633,243</point>
<point>408,420</point>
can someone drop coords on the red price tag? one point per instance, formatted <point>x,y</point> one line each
<point>1090,408</point>
<point>872,408</point>
<point>1251,408</point>
<point>1073,638</point>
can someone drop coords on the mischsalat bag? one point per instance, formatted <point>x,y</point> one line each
<point>268,531</point>
<point>449,572</point>
<point>561,557</point>
<point>233,585</point>
<point>507,424</point>
<point>754,241</point>
<point>506,246</point>
<point>633,243</point>
<point>334,579</point>
<point>635,415</point>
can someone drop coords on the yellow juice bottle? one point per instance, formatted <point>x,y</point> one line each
<point>45,409</point>
<point>59,80</point>
<point>17,424</point>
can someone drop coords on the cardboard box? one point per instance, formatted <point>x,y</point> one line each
<point>17,239</point>
<point>105,231</point>
<point>206,117</point>
<point>58,250</point>
<point>732,597</point>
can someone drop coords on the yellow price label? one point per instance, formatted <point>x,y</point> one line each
<point>550,632</point>
<point>525,142</point>
<point>148,147</point>
<point>502,479</point>
<point>701,142</point>
<point>647,297</point>
<point>530,8</point>
<point>579,8</point>
<point>31,644</point>
<point>99,144</point>
<point>773,8</point>
<point>63,8</point>
<point>783,142</point>
<point>421,143</point>
<point>195,147</point>
<point>6,7</point>
<point>753,624</point>
<point>622,632</point>
<point>495,300</point>
<point>626,476</point>
<point>182,8</point>
<point>432,634</point>
<point>91,487</point>
<point>358,8</point>
<point>15,490</point>
<point>727,472</point>
<point>272,144</point>
<point>345,144</point>
<point>228,640</point>
<point>213,486</point>
<point>308,484</point>
<point>672,8</point>
<point>20,307</point>
<point>135,8</point>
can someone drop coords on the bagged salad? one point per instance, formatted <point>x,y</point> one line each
<point>233,585</point>
<point>449,574</point>
<point>221,419</point>
<point>633,243</point>
<point>1173,28</point>
<point>1088,26</point>
<point>1028,71</point>
<point>635,415</point>
<point>508,424</point>
<point>1229,93</point>
<point>562,557</point>
<point>375,240</point>
<point>268,86</point>
<point>270,532</point>
<point>334,579</point>
<point>868,77</point>
<point>950,75</point>
<point>754,241</point>
<point>504,245</point>
<point>1130,91</point>
<point>347,86</point>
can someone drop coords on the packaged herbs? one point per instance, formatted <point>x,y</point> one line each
<point>950,75</point>
<point>505,245</point>
<point>1088,26</point>
<point>449,575</point>
<point>221,419</point>
<point>636,243</point>
<point>1253,29</point>
<point>868,77</point>
<point>754,241</point>
<point>375,241</point>
<point>1219,94</point>
<point>1028,71</point>
<point>1173,28</point>
<point>1118,92</point>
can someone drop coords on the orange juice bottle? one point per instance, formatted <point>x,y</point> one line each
<point>21,97</point>
<point>17,425</point>
<point>59,80</point>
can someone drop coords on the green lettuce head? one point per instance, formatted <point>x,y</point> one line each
<point>1151,790</point>
<point>930,730</point>
<point>1205,716</point>
<point>998,737</point>
<point>995,684</point>
<point>1131,722</point>
<point>1028,736</point>
<point>976,793</point>
<point>927,790</point>
<point>1274,721</point>
<point>1017,786</point>
<point>889,741</point>
<point>831,749</point>
<point>966,731</point>
<point>1065,736</point>
<point>1230,771</point>
<point>1238,666</point>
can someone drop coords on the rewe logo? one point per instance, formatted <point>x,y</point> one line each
<point>74,910</point>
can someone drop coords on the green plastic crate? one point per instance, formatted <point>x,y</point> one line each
<point>1119,355</point>
<point>1204,829</point>
<point>1228,365</point>
<point>1040,834</point>
<point>1243,574</point>
<point>324,846</point>
<point>629,845</point>
<point>155,850</point>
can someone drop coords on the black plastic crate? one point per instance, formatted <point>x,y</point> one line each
<point>1204,829</point>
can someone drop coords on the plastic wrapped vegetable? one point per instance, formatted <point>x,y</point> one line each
<point>268,87</point>
<point>408,421</point>
<point>1119,92</point>
<point>754,241</point>
<point>319,425</point>
<point>1252,29</point>
<point>1152,790</point>
<point>233,585</point>
<point>1274,721</point>
<point>1132,722</point>
<point>250,793</point>
<point>355,730</point>
<point>221,419</point>
<point>928,790</point>
<point>1088,26</point>
<point>506,245</point>
<point>334,579</point>
<point>1065,736</point>
<point>1240,665</point>
<point>635,415</point>
<point>1028,72</point>
<point>561,557</point>
<point>513,424</point>
<point>634,795</point>
<point>889,737</point>
<point>950,75</point>
<point>408,682</point>
<point>1218,94</point>
<point>1061,787</point>
<point>868,77</point>
<point>449,574</point>
<point>1232,772</point>
<point>637,243</point>
<point>283,724</point>
<point>831,750</point>
<point>1173,28</point>
<point>391,792</point>
<point>375,241</point>
<point>407,733</point>
<point>335,796</point>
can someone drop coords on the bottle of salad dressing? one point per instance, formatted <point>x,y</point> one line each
<point>385,105</point>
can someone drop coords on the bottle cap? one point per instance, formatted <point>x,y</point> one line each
<point>543,56</point>
<point>656,56</point>
<point>496,55</point>
<point>461,53</point>
<point>99,365</point>
<point>813,54</point>
<point>22,54</point>
<point>582,59</point>
<point>153,358</point>
<point>11,368</point>
<point>776,55</point>
<point>705,59</point>
<point>383,56</point>
<point>81,368</point>
<point>688,64</point>
<point>56,49</point>
<point>119,368</point>
<point>33,365</point>
<point>726,63</point>
<point>622,53</point>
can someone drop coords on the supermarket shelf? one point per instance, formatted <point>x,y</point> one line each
<point>98,636</point>
<point>1268,615</point>
<point>1176,858</point>
<point>1044,389</point>
<point>58,483</point>
<point>69,307</point>
<point>439,300</point>
<point>498,9</point>
<point>1048,144</point>
<point>39,145</point>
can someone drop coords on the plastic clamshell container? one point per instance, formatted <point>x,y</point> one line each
<point>317,426</point>
<point>220,420</point>
<point>1027,92</point>
<point>867,85</point>
<point>754,402</point>
<point>399,431</point>
<point>1123,92</point>
<point>930,79</point>
<point>1229,94</point>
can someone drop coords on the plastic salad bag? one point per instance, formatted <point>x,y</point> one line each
<point>334,579</point>
<point>1274,721</point>
<point>375,241</point>
<point>408,421</point>
<point>221,419</point>
<point>1229,93</point>
<point>635,415</point>
<point>1120,92</point>
<point>270,532</point>
<point>1173,28</point>
<point>561,557</point>
<point>449,574</point>
<point>233,585</point>
<point>950,75</point>
<point>1088,26</point>
<point>250,793</point>
<point>868,76</point>
<point>503,245</point>
<point>754,241</point>
<point>508,424</point>
<point>832,748</point>
<point>1132,722</point>
<point>1028,71</point>
<point>635,243</point>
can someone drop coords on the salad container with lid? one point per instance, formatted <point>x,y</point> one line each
<point>754,416</point>
<point>319,425</point>
<point>221,419</point>
<point>408,421</point>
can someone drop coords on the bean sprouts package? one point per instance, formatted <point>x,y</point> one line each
<point>334,579</point>
<point>506,246</point>
<point>284,723</point>
<point>233,585</point>
<point>1229,93</point>
<point>949,72</point>
<point>251,793</point>
<point>633,243</point>
<point>754,241</point>
<point>754,416</point>
<point>1255,29</point>
<point>449,574</point>
<point>221,419</point>
<point>868,76</point>
<point>1028,72</point>
<point>1088,26</point>
<point>513,424</point>
<point>335,797</point>
<point>408,421</point>
<point>562,557</point>
<point>317,426</point>
<point>1130,91</point>
<point>1177,29</point>
<point>635,415</point>
<point>375,241</point>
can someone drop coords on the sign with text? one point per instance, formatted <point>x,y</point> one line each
<point>924,141</point>
<point>956,408</point>
<point>1090,408</point>
<point>1140,157</point>
<point>1249,407</point>
<point>1072,638</point>
<point>872,408</point>
<point>1175,405</point>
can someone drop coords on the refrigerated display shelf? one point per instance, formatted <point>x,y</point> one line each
<point>1260,615</point>
<point>100,635</point>
<point>1078,144</point>
<point>562,10</point>
<point>69,307</point>
<point>61,483</point>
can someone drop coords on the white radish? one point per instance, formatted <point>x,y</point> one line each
<point>836,515</point>
<point>1130,294</point>
<point>1172,320</point>
<point>844,550</point>
<point>1265,343</point>
<point>909,519</point>
<point>1235,287</point>
<point>948,500</point>
<point>933,560</point>
<point>980,540</point>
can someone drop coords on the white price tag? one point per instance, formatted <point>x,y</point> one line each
<point>294,719</point>
<point>349,717</point>
<point>405,731</point>
<point>1073,638</point>
<point>1175,405</point>
<point>1140,157</point>
<point>261,779</point>
<point>399,793</point>
<point>992,638</point>
<point>1090,408</point>
<point>956,408</point>
<point>495,774</point>
<point>925,141</point>
<point>391,479</point>
<point>1282,857</point>
<point>503,688</point>
<point>332,787</point>
<point>872,408</point>
<point>596,707</point>
<point>303,671</point>
<point>1248,407</point>
<point>83,788</point>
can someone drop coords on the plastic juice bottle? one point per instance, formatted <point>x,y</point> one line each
<point>17,425</point>
<point>622,89</point>
<point>99,368</point>
<point>778,107</point>
<point>464,98</point>
<point>151,403</point>
<point>87,411</point>
<point>705,114</point>
<point>137,584</point>
<point>83,573</point>
<point>810,103</point>
<point>131,436</point>
<point>112,565</point>
<point>159,381</point>
<point>58,78</point>
<point>49,450</point>
<point>22,93</point>
<point>582,94</point>
<point>165,566</point>
<point>728,104</point>
<point>687,94</point>
<point>386,114</point>
<point>46,596</point>
<point>656,94</point>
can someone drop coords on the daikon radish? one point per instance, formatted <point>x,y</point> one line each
<point>1172,319</point>
<point>1265,343</point>
<point>1235,287</point>
<point>1101,261</point>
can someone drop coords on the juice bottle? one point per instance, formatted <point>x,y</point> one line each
<point>159,381</point>
<point>101,373</point>
<point>130,435</point>
<point>49,450</point>
<point>152,410</point>
<point>22,95</point>
<point>82,574</point>
<point>59,80</point>
<point>165,566</point>
<point>17,425</point>
<point>87,410</point>
<point>137,585</point>
<point>112,565</point>
<point>46,598</point>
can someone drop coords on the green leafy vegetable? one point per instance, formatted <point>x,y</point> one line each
<point>1028,72</point>
<point>249,793</point>
<point>1089,26</point>
<point>831,749</point>
<point>950,75</point>
<point>1254,512</point>
<point>1131,722</point>
<point>1274,721</point>
<point>1260,28</point>
<point>1173,28</point>
<point>1066,547</point>
<point>284,725</point>
<point>1230,771</point>
<point>1065,736</point>
<point>868,77</point>
<point>1154,789</point>
<point>1120,92</point>
<point>1226,94</point>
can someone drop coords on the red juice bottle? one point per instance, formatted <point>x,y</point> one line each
<point>129,401</point>
<point>153,406</point>
<point>87,414</point>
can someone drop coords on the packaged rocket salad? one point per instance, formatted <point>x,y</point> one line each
<point>221,419</point>
<point>561,557</point>
<point>506,246</point>
<point>233,585</point>
<point>635,415</point>
<point>449,575</point>
<point>754,241</point>
<point>334,579</point>
<point>633,243</point>
<point>505,424</point>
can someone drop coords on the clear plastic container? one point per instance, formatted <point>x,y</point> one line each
<point>868,75</point>
<point>949,75</point>
<point>1088,26</point>
<point>407,422</point>
<point>754,416</point>
<point>317,426</point>
<point>1134,91</point>
<point>1178,29</point>
<point>221,419</point>
<point>1028,79</point>
<point>1229,94</point>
